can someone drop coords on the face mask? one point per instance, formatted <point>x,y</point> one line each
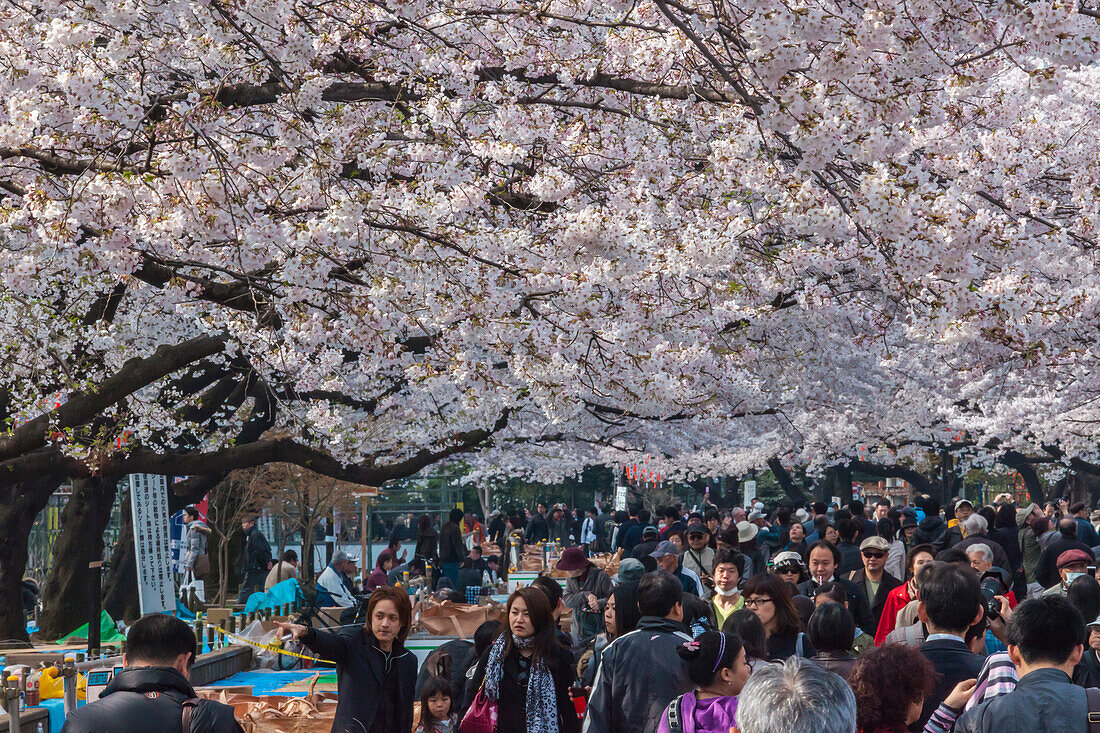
<point>1070,577</point>
<point>727,593</point>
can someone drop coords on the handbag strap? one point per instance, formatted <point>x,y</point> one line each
<point>188,711</point>
<point>1092,697</point>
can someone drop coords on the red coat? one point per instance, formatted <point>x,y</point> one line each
<point>896,600</point>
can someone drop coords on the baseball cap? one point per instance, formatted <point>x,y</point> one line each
<point>649,529</point>
<point>665,548</point>
<point>1073,557</point>
<point>874,543</point>
<point>340,556</point>
<point>1096,622</point>
<point>960,502</point>
<point>696,528</point>
<point>631,570</point>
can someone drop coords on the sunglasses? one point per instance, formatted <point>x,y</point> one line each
<point>874,553</point>
<point>787,568</point>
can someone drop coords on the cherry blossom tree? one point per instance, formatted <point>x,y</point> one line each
<point>553,231</point>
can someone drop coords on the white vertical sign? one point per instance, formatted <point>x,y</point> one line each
<point>620,498</point>
<point>750,493</point>
<point>149,511</point>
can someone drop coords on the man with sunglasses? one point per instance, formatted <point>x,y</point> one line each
<point>873,579</point>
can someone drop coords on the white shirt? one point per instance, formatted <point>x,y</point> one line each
<point>588,531</point>
<point>331,582</point>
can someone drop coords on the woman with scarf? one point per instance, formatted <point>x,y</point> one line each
<point>526,672</point>
<point>717,666</point>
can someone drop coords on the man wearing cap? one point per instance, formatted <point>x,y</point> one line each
<point>585,592</point>
<point>648,544</point>
<point>953,535</point>
<point>908,529</point>
<point>496,529</point>
<point>630,571</point>
<point>336,579</point>
<point>667,556</point>
<point>873,578</point>
<point>1072,564</point>
<point>1087,672</point>
<point>698,557</point>
<point>1029,545</point>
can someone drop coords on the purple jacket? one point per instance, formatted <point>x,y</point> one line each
<point>713,715</point>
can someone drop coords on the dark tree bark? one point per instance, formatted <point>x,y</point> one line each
<point>783,476</point>
<point>915,478</point>
<point>67,594</point>
<point>120,591</point>
<point>1019,463</point>
<point>19,505</point>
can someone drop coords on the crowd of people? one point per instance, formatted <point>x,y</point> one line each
<point>821,618</point>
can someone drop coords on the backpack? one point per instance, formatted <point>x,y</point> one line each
<point>675,725</point>
<point>1092,696</point>
<point>188,711</point>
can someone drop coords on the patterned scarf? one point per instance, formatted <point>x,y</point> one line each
<point>542,705</point>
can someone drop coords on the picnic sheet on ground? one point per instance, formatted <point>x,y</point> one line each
<point>271,682</point>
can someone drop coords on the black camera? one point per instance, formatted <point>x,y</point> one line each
<point>993,583</point>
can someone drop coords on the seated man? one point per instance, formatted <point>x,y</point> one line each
<point>796,696</point>
<point>149,694</point>
<point>1046,638</point>
<point>336,579</point>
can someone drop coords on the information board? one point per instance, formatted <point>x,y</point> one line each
<point>149,511</point>
<point>620,498</point>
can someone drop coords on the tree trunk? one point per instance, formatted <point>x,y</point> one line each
<point>67,594</point>
<point>120,592</point>
<point>915,478</point>
<point>790,488</point>
<point>1019,463</point>
<point>21,504</point>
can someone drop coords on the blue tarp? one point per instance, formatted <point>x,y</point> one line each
<point>279,594</point>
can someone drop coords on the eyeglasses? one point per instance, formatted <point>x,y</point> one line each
<point>749,602</point>
<point>874,554</point>
<point>785,569</point>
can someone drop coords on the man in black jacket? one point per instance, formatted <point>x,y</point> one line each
<point>537,529</point>
<point>452,551</point>
<point>149,694</point>
<point>640,672</point>
<point>1046,572</point>
<point>824,563</point>
<point>256,559</point>
<point>950,603</point>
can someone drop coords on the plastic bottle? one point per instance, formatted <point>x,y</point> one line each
<point>33,682</point>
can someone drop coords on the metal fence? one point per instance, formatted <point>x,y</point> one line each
<point>47,528</point>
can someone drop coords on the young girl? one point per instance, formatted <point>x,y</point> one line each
<point>436,709</point>
<point>717,666</point>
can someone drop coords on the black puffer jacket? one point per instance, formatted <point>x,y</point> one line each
<point>639,675</point>
<point>147,699</point>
